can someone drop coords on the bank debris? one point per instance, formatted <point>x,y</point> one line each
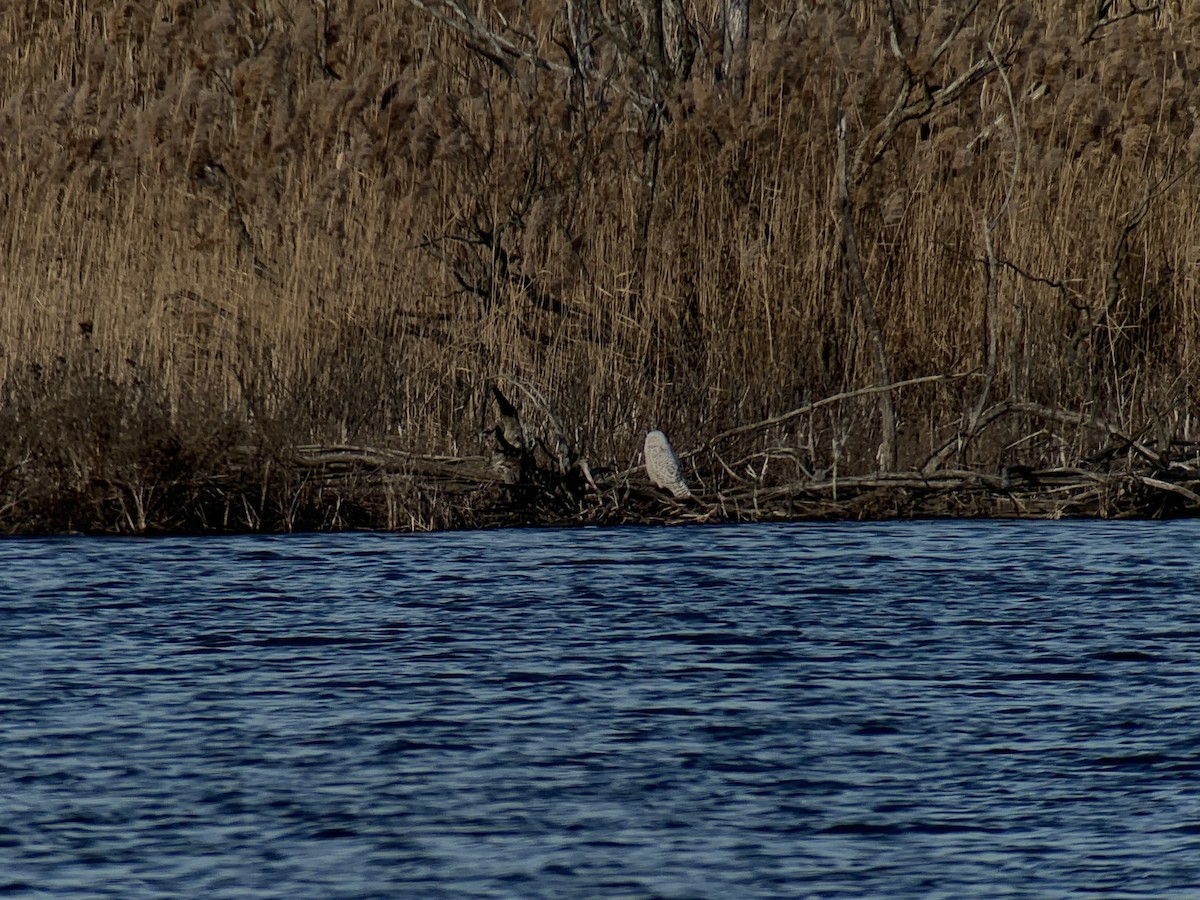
<point>543,479</point>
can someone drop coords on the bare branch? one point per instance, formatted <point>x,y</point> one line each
<point>818,404</point>
<point>495,47</point>
<point>954,32</point>
<point>876,142</point>
<point>1101,20</point>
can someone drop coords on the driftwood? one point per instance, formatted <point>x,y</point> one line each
<point>545,480</point>
<point>624,497</point>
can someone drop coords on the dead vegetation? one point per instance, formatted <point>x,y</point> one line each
<point>265,263</point>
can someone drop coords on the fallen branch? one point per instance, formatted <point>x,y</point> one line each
<point>539,493</point>
<point>1158,484</point>
<point>817,404</point>
<point>1070,418</point>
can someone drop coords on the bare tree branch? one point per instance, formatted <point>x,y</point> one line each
<point>497,48</point>
<point>1100,19</point>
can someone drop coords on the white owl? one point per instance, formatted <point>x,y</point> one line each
<point>662,465</point>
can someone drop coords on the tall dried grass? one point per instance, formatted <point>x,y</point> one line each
<point>334,222</point>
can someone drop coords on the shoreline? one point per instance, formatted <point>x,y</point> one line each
<point>345,489</point>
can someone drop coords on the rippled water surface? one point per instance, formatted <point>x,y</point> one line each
<point>903,710</point>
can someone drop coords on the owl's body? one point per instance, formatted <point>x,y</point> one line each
<point>663,466</point>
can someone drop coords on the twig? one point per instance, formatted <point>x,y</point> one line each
<point>905,109</point>
<point>496,48</point>
<point>982,421</point>
<point>817,404</point>
<point>1070,418</point>
<point>1102,21</point>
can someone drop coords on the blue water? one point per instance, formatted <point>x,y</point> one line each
<point>859,710</point>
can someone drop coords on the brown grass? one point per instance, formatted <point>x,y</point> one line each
<point>232,228</point>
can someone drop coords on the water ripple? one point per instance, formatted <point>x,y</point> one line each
<point>936,709</point>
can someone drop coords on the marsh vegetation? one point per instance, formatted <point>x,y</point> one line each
<point>264,262</point>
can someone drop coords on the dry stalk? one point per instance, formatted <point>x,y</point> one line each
<point>992,269</point>
<point>852,260</point>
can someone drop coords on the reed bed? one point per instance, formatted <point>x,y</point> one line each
<point>231,230</point>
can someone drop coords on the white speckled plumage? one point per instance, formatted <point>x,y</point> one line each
<point>663,466</point>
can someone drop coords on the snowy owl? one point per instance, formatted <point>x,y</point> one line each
<point>662,465</point>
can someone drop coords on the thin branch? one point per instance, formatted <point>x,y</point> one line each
<point>1102,21</point>
<point>1059,286</point>
<point>954,31</point>
<point>495,47</point>
<point>1070,418</point>
<point>992,276</point>
<point>818,404</point>
<point>854,270</point>
<point>982,421</point>
<point>1016,168</point>
<point>880,137</point>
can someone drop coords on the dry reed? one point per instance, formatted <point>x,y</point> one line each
<point>233,228</point>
